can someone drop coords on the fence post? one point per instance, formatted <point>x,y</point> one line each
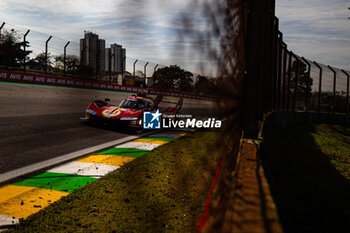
<point>154,70</point>
<point>260,61</point>
<point>334,86</point>
<point>46,45</point>
<point>307,84</point>
<point>274,62</point>
<point>289,79</point>
<point>295,82</point>
<point>144,72</point>
<point>2,25</point>
<point>284,75</point>
<point>64,58</point>
<point>347,91</point>
<point>134,67</point>
<point>24,49</point>
<point>319,87</point>
<point>279,69</point>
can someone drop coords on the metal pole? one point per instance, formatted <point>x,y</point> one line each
<point>279,69</point>
<point>64,58</point>
<point>319,87</point>
<point>307,84</point>
<point>46,45</point>
<point>134,67</point>
<point>154,70</point>
<point>347,91</point>
<point>289,78</point>
<point>296,84</point>
<point>334,86</point>
<point>144,69</point>
<point>274,62</point>
<point>2,25</point>
<point>24,50</point>
<point>284,75</point>
<point>144,73</point>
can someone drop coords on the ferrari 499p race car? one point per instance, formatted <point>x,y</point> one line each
<point>129,113</point>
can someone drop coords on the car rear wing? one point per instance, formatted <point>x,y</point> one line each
<point>179,104</point>
<point>159,98</point>
<point>169,101</point>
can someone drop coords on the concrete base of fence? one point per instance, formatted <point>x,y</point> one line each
<point>245,204</point>
<point>253,207</point>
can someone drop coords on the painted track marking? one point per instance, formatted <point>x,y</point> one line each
<point>84,169</point>
<point>113,160</point>
<point>26,197</point>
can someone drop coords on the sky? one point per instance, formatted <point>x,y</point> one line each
<point>317,29</point>
<point>149,29</point>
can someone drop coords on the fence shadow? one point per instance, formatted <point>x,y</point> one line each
<point>310,194</point>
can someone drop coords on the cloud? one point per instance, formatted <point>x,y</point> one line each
<point>317,29</point>
<point>149,29</point>
<point>146,28</point>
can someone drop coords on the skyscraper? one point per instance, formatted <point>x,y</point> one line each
<point>117,61</point>
<point>92,52</point>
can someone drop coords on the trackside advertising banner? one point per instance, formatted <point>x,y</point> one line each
<point>10,76</point>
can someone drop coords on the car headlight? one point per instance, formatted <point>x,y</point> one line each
<point>128,118</point>
<point>91,112</point>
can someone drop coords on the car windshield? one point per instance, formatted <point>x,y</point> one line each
<point>130,103</point>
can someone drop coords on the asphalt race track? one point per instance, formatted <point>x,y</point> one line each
<point>40,122</point>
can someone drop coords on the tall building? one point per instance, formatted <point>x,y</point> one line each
<point>92,52</point>
<point>108,64</point>
<point>117,61</point>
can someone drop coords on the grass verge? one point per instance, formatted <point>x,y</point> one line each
<point>162,191</point>
<point>308,171</point>
<point>334,141</point>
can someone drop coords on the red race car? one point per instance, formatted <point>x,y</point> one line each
<point>129,113</point>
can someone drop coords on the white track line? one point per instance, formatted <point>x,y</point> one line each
<point>84,169</point>
<point>165,135</point>
<point>139,145</point>
<point>6,220</point>
<point>63,158</point>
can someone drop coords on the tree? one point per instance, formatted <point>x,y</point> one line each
<point>303,78</point>
<point>205,86</point>
<point>11,52</point>
<point>38,63</point>
<point>72,63</point>
<point>173,77</point>
<point>139,73</point>
<point>85,71</point>
<point>302,82</point>
<point>184,82</point>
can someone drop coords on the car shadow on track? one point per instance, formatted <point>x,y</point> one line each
<point>112,127</point>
